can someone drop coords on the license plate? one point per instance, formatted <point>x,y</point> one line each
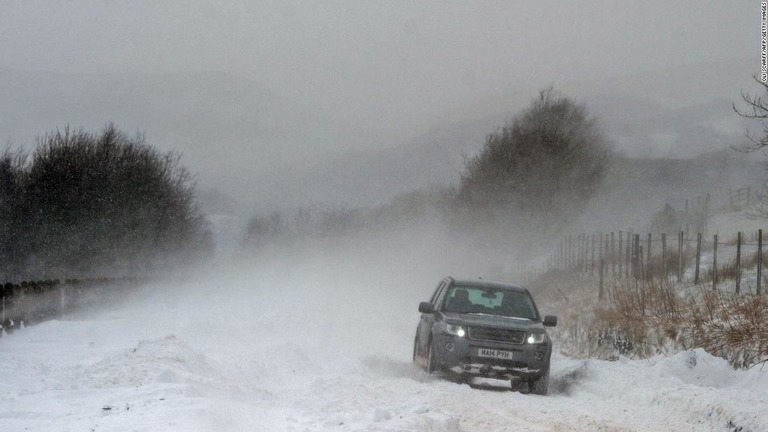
<point>492,353</point>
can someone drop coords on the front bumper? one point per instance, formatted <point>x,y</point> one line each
<point>460,355</point>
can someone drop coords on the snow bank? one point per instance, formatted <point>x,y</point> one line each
<point>322,342</point>
<point>691,390</point>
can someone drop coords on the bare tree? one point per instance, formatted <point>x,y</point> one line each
<point>756,108</point>
<point>11,235</point>
<point>86,203</point>
<point>542,167</point>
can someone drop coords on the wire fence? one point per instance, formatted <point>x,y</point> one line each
<point>675,258</point>
<point>33,302</point>
<point>675,246</point>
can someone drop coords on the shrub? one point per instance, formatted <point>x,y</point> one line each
<point>542,167</point>
<point>104,202</point>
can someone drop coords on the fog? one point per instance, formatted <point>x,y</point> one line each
<point>367,111</point>
<point>249,91</point>
<point>391,64</point>
<point>279,105</point>
<point>291,312</point>
<point>316,339</point>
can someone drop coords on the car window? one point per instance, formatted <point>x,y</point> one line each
<point>441,295</point>
<point>439,288</point>
<point>517,304</point>
<point>491,301</point>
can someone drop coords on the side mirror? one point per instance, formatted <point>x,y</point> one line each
<point>426,307</point>
<point>550,321</point>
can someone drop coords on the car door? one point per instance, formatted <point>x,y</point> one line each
<point>427,319</point>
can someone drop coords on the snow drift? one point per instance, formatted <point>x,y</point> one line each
<point>319,339</point>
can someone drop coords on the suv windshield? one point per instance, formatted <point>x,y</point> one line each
<point>490,301</point>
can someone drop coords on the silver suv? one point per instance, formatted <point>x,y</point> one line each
<point>478,328</point>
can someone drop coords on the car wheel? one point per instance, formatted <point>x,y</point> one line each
<point>431,363</point>
<point>540,385</point>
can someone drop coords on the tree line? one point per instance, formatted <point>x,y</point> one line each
<point>535,175</point>
<point>533,178</point>
<point>85,203</point>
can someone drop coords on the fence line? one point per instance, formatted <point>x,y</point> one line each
<point>628,254</point>
<point>29,303</point>
<point>741,198</point>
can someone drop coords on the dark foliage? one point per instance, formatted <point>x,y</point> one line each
<point>541,169</point>
<point>11,218</point>
<point>313,221</point>
<point>321,222</point>
<point>84,203</point>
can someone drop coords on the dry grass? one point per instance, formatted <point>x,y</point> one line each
<point>730,271</point>
<point>644,318</point>
<point>659,269</point>
<point>751,260</point>
<point>733,327</point>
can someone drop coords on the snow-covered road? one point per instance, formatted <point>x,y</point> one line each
<point>124,371</point>
<point>323,343</point>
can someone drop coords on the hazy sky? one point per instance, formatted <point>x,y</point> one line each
<point>392,62</point>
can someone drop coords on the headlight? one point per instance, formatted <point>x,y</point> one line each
<point>536,338</point>
<point>456,330</point>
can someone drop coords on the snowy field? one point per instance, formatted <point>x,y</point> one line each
<point>324,344</point>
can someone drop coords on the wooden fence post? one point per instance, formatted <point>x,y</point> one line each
<point>607,250</point>
<point>738,263</point>
<point>680,256</point>
<point>577,253</point>
<point>706,213</point>
<point>698,259</point>
<point>664,255</point>
<point>648,260</point>
<point>628,254</point>
<point>612,255</point>
<point>602,271</point>
<point>641,272</point>
<point>714,264</point>
<point>636,254</point>
<point>601,254</point>
<point>620,254</point>
<point>631,257</point>
<point>759,261</point>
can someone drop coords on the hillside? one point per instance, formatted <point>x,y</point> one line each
<point>677,113</point>
<point>638,188</point>
<point>270,152</point>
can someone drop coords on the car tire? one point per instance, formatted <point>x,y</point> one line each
<point>540,385</point>
<point>431,365</point>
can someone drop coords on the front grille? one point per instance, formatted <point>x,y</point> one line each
<point>497,335</point>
